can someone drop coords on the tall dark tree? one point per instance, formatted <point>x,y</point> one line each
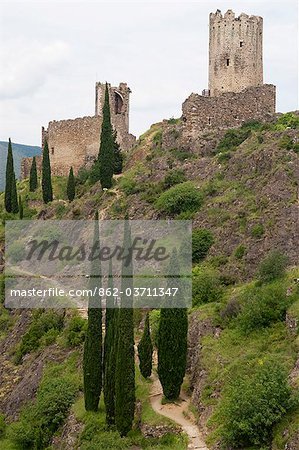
<point>10,196</point>
<point>118,157</point>
<point>71,188</point>
<point>21,210</point>
<point>92,356</point>
<point>145,350</point>
<point>125,368</point>
<point>33,176</point>
<point>46,175</point>
<point>110,350</point>
<point>172,338</point>
<point>106,153</point>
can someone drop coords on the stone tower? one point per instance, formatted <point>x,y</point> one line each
<point>119,99</point>
<point>235,52</point>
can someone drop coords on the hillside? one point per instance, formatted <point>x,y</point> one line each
<point>240,189</point>
<point>19,151</point>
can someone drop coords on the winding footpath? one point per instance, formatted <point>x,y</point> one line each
<point>178,412</point>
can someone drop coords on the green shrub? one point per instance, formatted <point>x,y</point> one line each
<point>75,331</point>
<point>232,139</point>
<point>263,305</point>
<point>288,120</point>
<point>180,198</point>
<point>202,240</point>
<point>82,176</point>
<point>39,421</point>
<point>152,191</point>
<point>240,251</point>
<point>106,440</point>
<point>42,323</point>
<point>128,184</point>
<point>252,404</point>
<point>285,142</point>
<point>154,325</point>
<point>206,286</point>
<point>2,426</point>
<point>173,177</point>
<point>273,266</point>
<point>181,155</point>
<point>257,230</point>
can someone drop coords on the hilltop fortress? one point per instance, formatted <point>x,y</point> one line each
<point>236,94</point>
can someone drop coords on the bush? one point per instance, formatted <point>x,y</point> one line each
<point>206,287</point>
<point>75,331</point>
<point>180,198</point>
<point>2,426</point>
<point>257,230</point>
<point>129,185</point>
<point>253,404</point>
<point>262,306</point>
<point>240,251</point>
<point>273,266</point>
<point>42,323</point>
<point>173,177</point>
<point>288,120</point>
<point>41,420</point>
<point>202,240</point>
<point>285,142</point>
<point>154,325</point>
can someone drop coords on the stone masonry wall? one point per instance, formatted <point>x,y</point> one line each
<point>235,52</point>
<point>228,110</point>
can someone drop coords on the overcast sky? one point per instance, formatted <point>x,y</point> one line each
<point>52,53</point>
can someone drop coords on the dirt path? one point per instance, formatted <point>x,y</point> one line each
<point>178,412</point>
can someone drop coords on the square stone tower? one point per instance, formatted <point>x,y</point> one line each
<point>235,52</point>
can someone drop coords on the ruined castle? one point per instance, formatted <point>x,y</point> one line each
<point>236,94</point>
<point>76,142</point>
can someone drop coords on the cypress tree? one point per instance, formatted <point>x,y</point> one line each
<point>118,157</point>
<point>21,210</point>
<point>106,154</point>
<point>172,340</point>
<point>33,176</point>
<point>46,175</point>
<point>125,367</point>
<point>145,350</point>
<point>92,356</point>
<point>14,195</point>
<point>71,190</point>
<point>110,349</point>
<point>10,195</point>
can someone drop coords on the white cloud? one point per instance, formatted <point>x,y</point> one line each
<point>27,65</point>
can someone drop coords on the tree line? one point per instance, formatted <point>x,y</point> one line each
<point>110,366</point>
<point>109,162</point>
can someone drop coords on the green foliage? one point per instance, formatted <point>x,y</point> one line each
<point>46,175</point>
<point>118,157</point>
<point>172,340</point>
<point>154,316</point>
<point>202,240</point>
<point>181,155</point>
<point>106,153</point>
<point>180,198</point>
<point>33,182</point>
<point>128,184</point>
<point>110,351</point>
<point>173,121</point>
<point>252,404</point>
<point>286,142</point>
<point>125,364</point>
<point>240,251</point>
<point>273,266</point>
<point>39,421</point>
<point>71,189</point>
<point>2,426</point>
<point>75,331</point>
<point>92,356</point>
<point>206,286</point>
<point>257,230</point>
<point>232,139</point>
<point>10,195</point>
<point>175,176</point>
<point>288,120</point>
<point>94,174</point>
<point>145,350</point>
<point>262,306</point>
<point>157,138</point>
<point>82,175</point>
<point>42,323</point>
